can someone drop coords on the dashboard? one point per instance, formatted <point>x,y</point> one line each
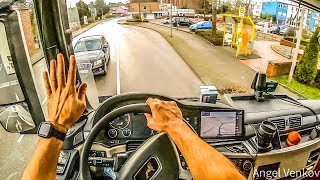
<point>207,123</point>
<point>227,127</point>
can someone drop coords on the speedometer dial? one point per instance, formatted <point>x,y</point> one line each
<point>121,122</point>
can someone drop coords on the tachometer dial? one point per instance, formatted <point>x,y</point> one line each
<point>121,122</point>
<point>126,132</point>
<point>112,133</point>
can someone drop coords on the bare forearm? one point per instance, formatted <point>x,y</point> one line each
<point>43,163</point>
<point>203,160</point>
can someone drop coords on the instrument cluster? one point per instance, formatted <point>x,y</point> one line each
<point>129,126</point>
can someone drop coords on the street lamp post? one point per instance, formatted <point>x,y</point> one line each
<point>171,18</point>
<point>295,55</point>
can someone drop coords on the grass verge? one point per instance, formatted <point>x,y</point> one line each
<point>303,89</point>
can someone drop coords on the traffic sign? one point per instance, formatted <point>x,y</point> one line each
<point>241,11</point>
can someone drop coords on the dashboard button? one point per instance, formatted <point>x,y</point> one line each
<point>126,132</point>
<point>112,133</point>
<point>247,165</point>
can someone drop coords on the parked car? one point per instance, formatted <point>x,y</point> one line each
<point>181,21</point>
<point>201,25</point>
<point>166,21</point>
<point>277,29</point>
<point>260,23</point>
<point>283,30</point>
<point>94,49</point>
<point>274,30</point>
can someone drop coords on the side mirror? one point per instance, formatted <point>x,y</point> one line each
<point>20,103</point>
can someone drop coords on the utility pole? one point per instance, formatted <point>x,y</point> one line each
<point>177,10</point>
<point>295,55</point>
<point>204,9</point>
<point>101,13</point>
<point>214,17</point>
<point>171,18</point>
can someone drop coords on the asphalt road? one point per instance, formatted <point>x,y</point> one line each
<point>146,63</point>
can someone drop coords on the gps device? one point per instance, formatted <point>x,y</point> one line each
<point>222,124</point>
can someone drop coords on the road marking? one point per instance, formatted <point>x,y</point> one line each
<point>20,138</point>
<point>118,68</point>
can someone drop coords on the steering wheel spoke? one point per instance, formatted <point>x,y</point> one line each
<point>157,157</point>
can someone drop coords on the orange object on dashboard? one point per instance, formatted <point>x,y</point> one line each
<point>293,138</point>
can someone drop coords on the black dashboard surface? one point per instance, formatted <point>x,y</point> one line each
<point>132,128</point>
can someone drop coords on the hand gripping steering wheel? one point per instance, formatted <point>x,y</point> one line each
<point>158,147</point>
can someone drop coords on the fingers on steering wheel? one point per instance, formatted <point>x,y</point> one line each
<point>61,76</point>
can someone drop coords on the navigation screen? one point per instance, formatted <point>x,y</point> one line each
<point>221,124</point>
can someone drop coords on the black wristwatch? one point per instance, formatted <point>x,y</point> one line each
<point>47,130</point>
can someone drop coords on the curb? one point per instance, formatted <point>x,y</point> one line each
<point>281,54</point>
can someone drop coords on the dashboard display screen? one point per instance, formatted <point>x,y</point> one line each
<point>221,124</point>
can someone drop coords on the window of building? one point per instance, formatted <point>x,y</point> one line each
<point>280,5</point>
<point>292,8</point>
<point>284,14</point>
<point>279,13</point>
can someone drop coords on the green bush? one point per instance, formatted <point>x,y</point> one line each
<point>307,68</point>
<point>136,20</point>
<point>207,34</point>
<point>90,19</point>
<point>136,16</point>
<point>303,42</point>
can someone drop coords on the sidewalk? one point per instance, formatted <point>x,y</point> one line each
<point>263,49</point>
<point>214,65</point>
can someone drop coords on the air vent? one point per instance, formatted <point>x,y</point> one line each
<point>132,146</point>
<point>295,122</point>
<point>280,123</point>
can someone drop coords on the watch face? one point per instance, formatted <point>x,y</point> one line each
<point>44,129</point>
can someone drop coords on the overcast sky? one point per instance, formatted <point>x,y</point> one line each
<point>73,2</point>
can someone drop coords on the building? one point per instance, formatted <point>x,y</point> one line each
<point>311,17</point>
<point>119,10</point>
<point>277,9</point>
<point>257,9</point>
<point>150,10</point>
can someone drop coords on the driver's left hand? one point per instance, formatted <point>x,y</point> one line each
<point>65,103</point>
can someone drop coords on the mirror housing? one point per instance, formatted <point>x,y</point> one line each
<point>20,90</point>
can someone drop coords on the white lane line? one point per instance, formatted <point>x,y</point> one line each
<point>44,101</point>
<point>20,138</point>
<point>118,68</point>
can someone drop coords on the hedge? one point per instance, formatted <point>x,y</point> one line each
<point>207,34</point>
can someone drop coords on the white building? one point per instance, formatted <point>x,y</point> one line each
<point>257,8</point>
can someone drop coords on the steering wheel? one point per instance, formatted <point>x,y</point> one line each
<point>159,148</point>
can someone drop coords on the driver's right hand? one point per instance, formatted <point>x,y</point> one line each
<point>165,115</point>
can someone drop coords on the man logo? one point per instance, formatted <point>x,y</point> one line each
<point>149,170</point>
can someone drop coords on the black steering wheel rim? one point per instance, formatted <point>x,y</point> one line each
<point>104,121</point>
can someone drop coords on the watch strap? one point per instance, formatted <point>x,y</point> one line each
<point>57,134</point>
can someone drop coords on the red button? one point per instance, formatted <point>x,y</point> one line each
<point>293,138</point>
